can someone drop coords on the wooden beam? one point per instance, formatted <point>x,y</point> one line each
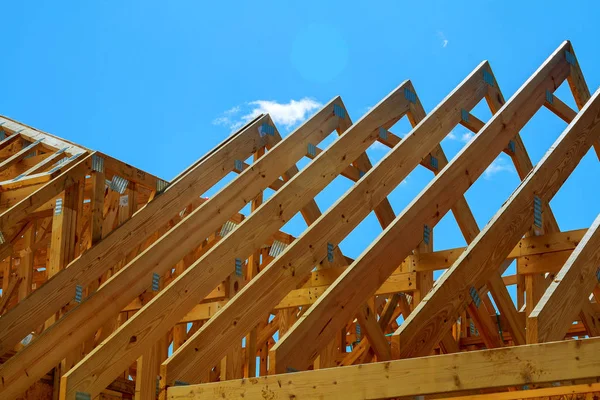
<point>311,212</point>
<point>57,292</point>
<point>590,321</point>
<point>507,308</point>
<point>11,219</point>
<point>488,330</point>
<point>547,245</point>
<point>148,365</point>
<point>147,373</point>
<point>521,160</point>
<point>262,173</point>
<point>62,251</point>
<point>64,223</point>
<point>541,263</point>
<point>400,282</point>
<point>99,192</point>
<point>20,155</point>
<point>564,390</point>
<point>197,281</point>
<point>447,374</point>
<point>254,265</point>
<point>276,281</point>
<point>472,123</point>
<point>437,124</point>
<point>559,108</point>
<point>27,261</point>
<point>60,290</point>
<point>9,290</point>
<point>368,321</point>
<point>49,141</point>
<point>494,243</point>
<point>10,144</point>
<point>449,344</point>
<point>570,288</point>
<point>134,175</point>
<point>580,89</point>
<point>391,247</point>
<point>363,353</point>
<point>44,164</point>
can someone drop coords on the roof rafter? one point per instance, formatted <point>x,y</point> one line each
<point>117,283</point>
<point>507,226</point>
<point>196,282</point>
<point>377,184</point>
<point>569,290</point>
<point>426,209</point>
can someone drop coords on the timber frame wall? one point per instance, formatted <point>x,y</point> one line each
<point>117,284</point>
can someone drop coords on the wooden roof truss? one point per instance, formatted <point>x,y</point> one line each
<point>139,265</point>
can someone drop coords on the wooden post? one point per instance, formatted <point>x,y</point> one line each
<point>62,251</point>
<point>27,258</point>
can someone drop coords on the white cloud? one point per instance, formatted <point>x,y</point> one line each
<point>462,137</point>
<point>443,39</point>
<point>500,164</point>
<point>284,115</point>
<point>223,121</point>
<point>379,146</point>
<point>232,110</point>
<point>466,137</point>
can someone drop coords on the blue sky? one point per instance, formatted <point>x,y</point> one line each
<point>157,84</point>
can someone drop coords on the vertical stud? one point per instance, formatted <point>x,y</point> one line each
<point>330,248</point>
